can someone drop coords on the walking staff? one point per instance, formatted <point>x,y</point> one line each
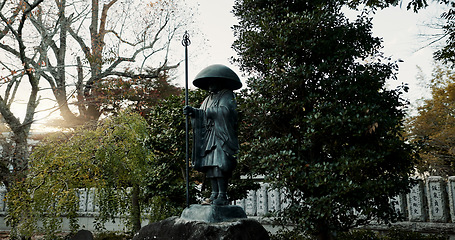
<point>186,42</point>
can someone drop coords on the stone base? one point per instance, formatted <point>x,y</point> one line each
<point>212,213</point>
<point>179,229</point>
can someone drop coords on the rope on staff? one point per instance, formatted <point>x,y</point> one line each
<point>186,42</point>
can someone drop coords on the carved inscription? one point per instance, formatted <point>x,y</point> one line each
<point>415,203</point>
<point>250,203</point>
<point>436,199</point>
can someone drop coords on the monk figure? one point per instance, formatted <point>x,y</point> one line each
<point>215,129</point>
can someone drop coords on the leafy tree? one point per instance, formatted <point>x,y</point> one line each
<point>140,94</point>
<point>433,127</point>
<point>323,125</point>
<point>112,157</point>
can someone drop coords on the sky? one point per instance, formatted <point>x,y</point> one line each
<point>403,34</point>
<point>406,36</point>
<point>213,23</point>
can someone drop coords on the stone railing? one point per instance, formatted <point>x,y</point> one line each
<point>430,203</point>
<point>432,200</point>
<point>86,201</point>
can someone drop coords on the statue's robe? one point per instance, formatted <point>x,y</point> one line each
<point>215,134</point>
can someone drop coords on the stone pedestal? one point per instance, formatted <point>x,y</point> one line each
<point>206,222</point>
<point>212,213</point>
<point>179,229</point>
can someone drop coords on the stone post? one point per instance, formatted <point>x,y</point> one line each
<point>416,203</point>
<point>262,205</point>
<point>2,200</point>
<point>284,202</point>
<point>240,203</point>
<point>82,193</point>
<point>251,203</point>
<point>436,198</point>
<point>91,207</point>
<point>398,203</point>
<point>451,188</point>
<point>274,200</point>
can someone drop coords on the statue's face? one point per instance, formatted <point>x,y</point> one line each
<point>214,87</point>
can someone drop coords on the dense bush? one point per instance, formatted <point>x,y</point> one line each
<point>393,234</point>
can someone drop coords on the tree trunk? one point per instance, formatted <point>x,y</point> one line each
<point>136,209</point>
<point>15,156</point>
<point>18,158</point>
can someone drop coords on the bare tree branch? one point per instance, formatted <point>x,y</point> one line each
<point>121,39</point>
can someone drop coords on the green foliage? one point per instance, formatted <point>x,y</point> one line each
<point>113,94</point>
<point>167,177</point>
<point>111,157</point>
<point>359,235</point>
<point>285,235</point>
<point>392,234</point>
<point>162,207</point>
<point>395,234</point>
<point>433,127</point>
<point>320,121</point>
<point>110,236</point>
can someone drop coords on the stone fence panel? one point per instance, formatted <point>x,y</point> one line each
<point>430,200</point>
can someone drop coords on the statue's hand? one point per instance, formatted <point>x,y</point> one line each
<point>188,110</point>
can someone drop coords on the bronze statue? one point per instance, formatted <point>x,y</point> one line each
<point>215,129</point>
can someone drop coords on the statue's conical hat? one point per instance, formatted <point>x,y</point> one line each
<point>220,73</point>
